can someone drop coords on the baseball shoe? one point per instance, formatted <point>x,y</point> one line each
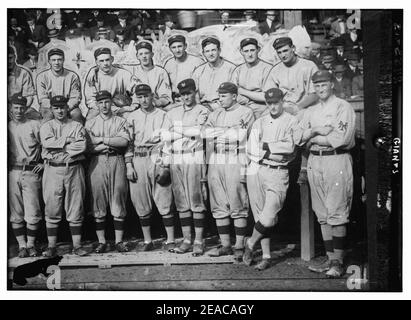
<point>32,252</point>
<point>198,249</point>
<point>336,269</point>
<point>263,264</point>
<point>183,248</point>
<point>50,252</point>
<point>248,253</point>
<point>121,247</point>
<point>221,251</point>
<point>23,253</point>
<point>320,266</point>
<point>169,246</point>
<point>148,246</point>
<point>80,251</point>
<point>101,248</point>
<point>238,254</point>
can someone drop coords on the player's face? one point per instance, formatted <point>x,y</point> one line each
<point>189,98</point>
<point>18,111</point>
<point>286,54</point>
<point>145,57</point>
<point>275,109</point>
<point>145,100</point>
<point>104,62</point>
<point>105,106</point>
<point>11,61</point>
<point>250,53</point>
<point>178,49</point>
<point>227,99</point>
<point>211,52</point>
<point>60,112</point>
<point>270,17</point>
<point>324,89</point>
<point>56,62</point>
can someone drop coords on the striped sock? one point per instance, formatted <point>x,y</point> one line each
<point>326,231</point>
<point>339,239</point>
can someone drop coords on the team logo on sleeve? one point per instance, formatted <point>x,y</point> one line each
<point>243,124</point>
<point>343,126</point>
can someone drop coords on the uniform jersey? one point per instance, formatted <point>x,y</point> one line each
<point>179,71</point>
<point>208,79</point>
<point>67,84</point>
<point>157,78</point>
<point>20,81</point>
<point>295,81</point>
<point>24,141</point>
<point>117,81</point>
<point>55,136</point>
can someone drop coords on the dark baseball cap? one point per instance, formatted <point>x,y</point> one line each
<point>322,76</point>
<point>176,38</point>
<point>104,94</point>
<point>227,87</point>
<point>209,40</point>
<point>281,42</point>
<point>55,51</point>
<point>248,41</point>
<point>142,89</point>
<point>53,33</point>
<point>58,101</point>
<point>273,95</point>
<point>101,51</point>
<point>17,98</point>
<point>144,45</point>
<point>186,86</point>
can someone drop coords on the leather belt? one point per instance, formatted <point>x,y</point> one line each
<point>328,152</point>
<point>142,153</point>
<point>64,164</point>
<point>185,151</point>
<point>27,167</point>
<point>272,166</point>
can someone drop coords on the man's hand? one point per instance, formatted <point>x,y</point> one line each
<point>101,147</point>
<point>131,173</point>
<point>96,140</point>
<point>38,168</point>
<point>322,131</point>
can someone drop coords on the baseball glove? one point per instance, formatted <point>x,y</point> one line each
<point>121,100</point>
<point>163,177</point>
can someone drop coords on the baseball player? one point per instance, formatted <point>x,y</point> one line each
<point>270,148</point>
<point>188,169</point>
<point>146,162</point>
<point>228,127</point>
<point>24,176</point>
<point>152,75</point>
<point>19,81</point>
<point>107,171</point>
<point>328,129</point>
<point>58,81</point>
<point>250,77</point>
<point>64,143</point>
<point>182,64</point>
<point>105,77</point>
<point>212,73</point>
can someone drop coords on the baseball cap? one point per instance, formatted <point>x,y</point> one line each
<point>144,45</point>
<point>101,51</point>
<point>17,98</point>
<point>209,40</point>
<point>176,38</point>
<point>273,95</point>
<point>53,33</point>
<point>186,86</point>
<point>104,94</point>
<point>142,89</point>
<point>55,51</point>
<point>321,76</point>
<point>328,59</point>
<point>281,42</point>
<point>227,87</point>
<point>248,41</point>
<point>58,101</point>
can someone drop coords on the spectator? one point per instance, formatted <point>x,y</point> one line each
<point>249,16</point>
<point>351,40</point>
<point>18,31</point>
<point>327,63</point>
<point>129,33</point>
<point>342,84</point>
<point>97,15</point>
<point>353,60</point>
<point>80,30</point>
<point>315,55</point>
<point>358,82</point>
<point>271,23</point>
<point>339,49</point>
<point>94,31</point>
<point>338,27</point>
<point>32,62</point>
<point>37,34</point>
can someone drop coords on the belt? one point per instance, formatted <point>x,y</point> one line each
<point>272,166</point>
<point>185,151</point>
<point>328,152</point>
<point>64,164</point>
<point>27,167</point>
<point>142,153</point>
<point>109,154</point>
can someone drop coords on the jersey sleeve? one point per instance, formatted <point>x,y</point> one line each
<point>90,88</point>
<point>48,139</point>
<point>309,82</point>
<point>164,86</point>
<point>75,91</point>
<point>342,135</point>
<point>28,88</point>
<point>254,150</point>
<point>270,81</point>
<point>42,93</point>
<point>79,144</point>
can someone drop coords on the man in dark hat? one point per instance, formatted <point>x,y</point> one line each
<point>188,167</point>
<point>353,60</point>
<point>211,74</point>
<point>129,30</point>
<point>59,81</point>
<point>64,143</point>
<point>107,180</point>
<point>271,23</point>
<point>250,77</point>
<point>342,84</point>
<point>182,64</point>
<point>24,176</point>
<point>37,34</point>
<point>249,16</point>
<point>327,63</point>
<point>104,76</point>
<point>271,148</point>
<point>154,76</point>
<point>228,128</point>
<point>145,162</point>
<point>328,128</point>
<point>96,31</point>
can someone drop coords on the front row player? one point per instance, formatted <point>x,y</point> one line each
<point>328,129</point>
<point>24,176</point>
<point>270,148</point>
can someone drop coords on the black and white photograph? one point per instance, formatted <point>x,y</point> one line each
<point>171,149</point>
